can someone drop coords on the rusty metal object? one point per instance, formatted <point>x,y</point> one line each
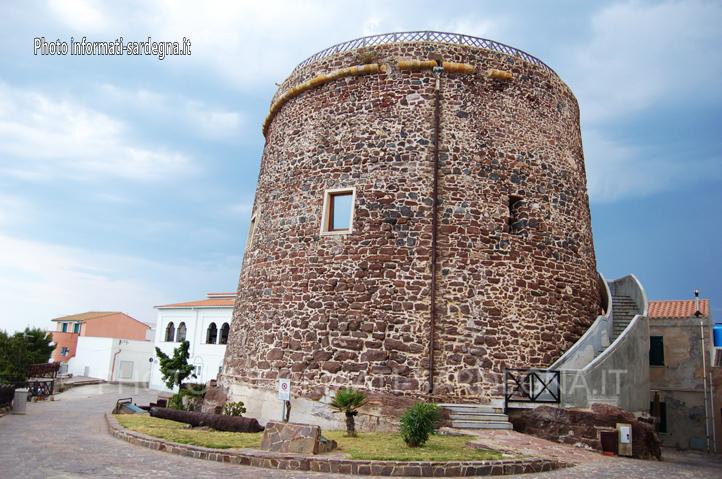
<point>219,422</point>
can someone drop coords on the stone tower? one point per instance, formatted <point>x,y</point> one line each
<point>421,222</point>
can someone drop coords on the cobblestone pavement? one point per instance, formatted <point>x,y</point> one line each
<point>68,438</point>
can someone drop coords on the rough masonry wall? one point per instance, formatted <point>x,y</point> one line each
<point>331,311</point>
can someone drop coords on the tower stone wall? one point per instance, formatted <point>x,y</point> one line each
<point>516,280</point>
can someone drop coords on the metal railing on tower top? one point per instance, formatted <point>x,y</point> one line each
<point>422,36</point>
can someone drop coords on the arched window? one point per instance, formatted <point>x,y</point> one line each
<point>170,332</point>
<point>181,336</point>
<point>224,334</point>
<point>212,334</point>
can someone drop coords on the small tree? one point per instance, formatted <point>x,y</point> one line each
<point>19,351</point>
<point>349,401</point>
<point>418,422</point>
<point>175,369</point>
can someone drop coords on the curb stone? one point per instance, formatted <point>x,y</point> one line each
<point>295,462</point>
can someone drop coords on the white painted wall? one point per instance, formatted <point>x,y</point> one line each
<point>208,358</point>
<point>93,353</point>
<point>102,358</point>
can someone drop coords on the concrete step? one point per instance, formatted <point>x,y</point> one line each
<point>473,408</point>
<point>478,416</point>
<point>481,425</point>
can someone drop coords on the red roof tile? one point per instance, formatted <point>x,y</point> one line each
<point>215,300</point>
<point>684,308</point>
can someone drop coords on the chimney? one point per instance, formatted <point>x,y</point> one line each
<point>697,312</point>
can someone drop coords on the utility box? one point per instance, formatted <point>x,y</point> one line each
<point>20,401</point>
<point>624,432</point>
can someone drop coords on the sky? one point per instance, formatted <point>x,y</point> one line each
<point>127,181</point>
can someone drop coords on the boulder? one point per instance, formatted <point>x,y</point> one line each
<point>581,427</point>
<point>214,400</point>
<point>297,438</point>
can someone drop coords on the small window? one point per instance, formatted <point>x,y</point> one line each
<point>224,333</point>
<point>656,351</point>
<point>76,328</point>
<point>181,335</point>
<point>251,231</point>
<point>338,211</point>
<point>662,419</point>
<point>212,334</point>
<point>516,222</point>
<point>65,327</point>
<point>64,351</point>
<point>170,332</point>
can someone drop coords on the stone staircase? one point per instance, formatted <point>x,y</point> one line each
<point>624,309</point>
<point>477,416</point>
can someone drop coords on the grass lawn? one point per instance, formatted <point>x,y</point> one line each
<point>369,445</point>
<point>389,446</point>
<point>179,432</point>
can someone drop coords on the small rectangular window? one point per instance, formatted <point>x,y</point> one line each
<point>251,231</point>
<point>64,351</point>
<point>338,211</point>
<point>516,222</point>
<point>65,327</point>
<point>76,328</point>
<point>656,351</point>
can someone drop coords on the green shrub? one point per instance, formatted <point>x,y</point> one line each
<point>418,422</point>
<point>234,408</point>
<point>176,401</point>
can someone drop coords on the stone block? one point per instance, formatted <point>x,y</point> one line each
<point>291,437</point>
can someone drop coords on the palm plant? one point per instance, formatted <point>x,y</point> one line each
<point>349,401</point>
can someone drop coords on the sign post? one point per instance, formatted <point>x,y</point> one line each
<point>284,394</point>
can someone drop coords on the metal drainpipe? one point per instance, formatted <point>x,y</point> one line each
<point>434,220</point>
<point>704,383</point>
<point>115,356</point>
<point>698,313</point>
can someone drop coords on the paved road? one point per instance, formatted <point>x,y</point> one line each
<point>68,438</point>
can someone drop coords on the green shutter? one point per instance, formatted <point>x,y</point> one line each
<point>656,351</point>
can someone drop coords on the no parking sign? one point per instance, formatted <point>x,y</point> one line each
<point>284,389</point>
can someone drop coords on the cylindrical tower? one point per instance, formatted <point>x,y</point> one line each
<point>421,222</point>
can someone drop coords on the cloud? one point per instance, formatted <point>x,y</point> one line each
<point>42,280</point>
<point>199,118</point>
<point>42,137</point>
<point>13,209</point>
<point>82,16</point>
<point>251,44</point>
<point>616,170</point>
<point>640,54</point>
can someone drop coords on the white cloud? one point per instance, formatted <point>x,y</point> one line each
<point>41,281</point>
<point>13,209</point>
<point>251,44</point>
<point>199,118</point>
<point>42,137</point>
<point>640,54</point>
<point>83,16</point>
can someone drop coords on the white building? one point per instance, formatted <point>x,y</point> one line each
<point>112,359</point>
<point>205,324</point>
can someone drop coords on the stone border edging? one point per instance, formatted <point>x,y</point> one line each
<point>293,462</point>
